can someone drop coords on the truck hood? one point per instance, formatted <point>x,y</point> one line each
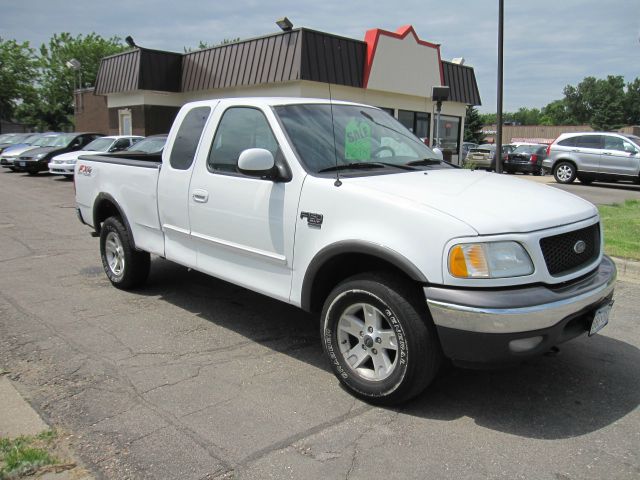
<point>488,202</point>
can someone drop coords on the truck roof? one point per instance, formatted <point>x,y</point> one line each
<point>271,101</point>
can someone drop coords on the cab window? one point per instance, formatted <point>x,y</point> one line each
<point>240,128</point>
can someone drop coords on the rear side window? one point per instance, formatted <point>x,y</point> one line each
<point>568,142</point>
<point>188,137</point>
<point>589,141</point>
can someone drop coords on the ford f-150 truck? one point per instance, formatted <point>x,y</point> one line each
<point>338,209</point>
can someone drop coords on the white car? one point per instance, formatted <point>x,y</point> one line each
<point>65,163</point>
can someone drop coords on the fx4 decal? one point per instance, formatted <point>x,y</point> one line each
<point>85,170</point>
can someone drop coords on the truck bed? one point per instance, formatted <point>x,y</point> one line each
<point>128,180</point>
<point>145,160</point>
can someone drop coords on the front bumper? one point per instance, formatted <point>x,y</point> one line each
<point>7,162</point>
<point>62,168</point>
<point>498,325</point>
<point>30,165</point>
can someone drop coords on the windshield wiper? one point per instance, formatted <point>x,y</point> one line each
<point>356,165</point>
<point>353,165</point>
<point>425,161</point>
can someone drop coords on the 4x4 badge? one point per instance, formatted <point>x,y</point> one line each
<point>579,247</point>
<point>313,219</point>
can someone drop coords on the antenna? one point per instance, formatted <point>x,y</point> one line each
<point>337,183</point>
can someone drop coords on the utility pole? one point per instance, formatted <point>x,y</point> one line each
<point>499,106</point>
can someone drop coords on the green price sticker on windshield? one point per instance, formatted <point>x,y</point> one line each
<point>357,140</point>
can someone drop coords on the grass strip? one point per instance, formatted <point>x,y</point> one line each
<point>621,224</point>
<point>26,455</point>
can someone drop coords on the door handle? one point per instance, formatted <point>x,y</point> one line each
<point>575,150</point>
<point>607,153</point>
<point>200,196</point>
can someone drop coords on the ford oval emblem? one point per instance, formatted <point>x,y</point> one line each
<point>579,247</point>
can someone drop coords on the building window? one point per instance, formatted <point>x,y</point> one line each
<point>449,133</point>
<point>390,111</point>
<point>124,122</point>
<point>417,122</point>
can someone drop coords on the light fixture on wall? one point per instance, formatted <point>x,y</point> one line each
<point>285,24</point>
<point>439,95</point>
<point>75,65</point>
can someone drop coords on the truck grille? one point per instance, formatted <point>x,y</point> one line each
<point>560,251</point>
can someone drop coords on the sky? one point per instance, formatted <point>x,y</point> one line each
<point>548,43</point>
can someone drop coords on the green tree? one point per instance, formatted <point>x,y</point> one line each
<point>632,103</point>
<point>52,105</point>
<point>17,75</point>
<point>598,102</point>
<point>488,118</point>
<point>473,126</point>
<point>526,116</point>
<point>556,113</point>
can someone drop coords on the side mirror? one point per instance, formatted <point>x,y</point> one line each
<point>256,162</point>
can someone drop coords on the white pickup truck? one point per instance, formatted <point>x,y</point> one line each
<point>338,209</point>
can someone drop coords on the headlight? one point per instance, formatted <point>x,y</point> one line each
<point>39,156</point>
<point>489,260</point>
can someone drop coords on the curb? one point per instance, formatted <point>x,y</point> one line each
<point>627,269</point>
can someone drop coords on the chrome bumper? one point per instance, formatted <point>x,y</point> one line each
<point>522,309</point>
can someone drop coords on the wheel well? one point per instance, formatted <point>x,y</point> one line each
<point>566,160</point>
<point>104,209</point>
<point>341,267</point>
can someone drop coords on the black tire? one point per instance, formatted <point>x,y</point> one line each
<point>133,271</point>
<point>585,181</point>
<point>32,172</point>
<point>12,169</point>
<point>564,172</point>
<point>402,315</point>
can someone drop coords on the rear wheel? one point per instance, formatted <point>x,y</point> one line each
<point>379,338</point>
<point>126,267</point>
<point>564,172</point>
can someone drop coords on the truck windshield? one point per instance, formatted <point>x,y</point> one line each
<point>363,135</point>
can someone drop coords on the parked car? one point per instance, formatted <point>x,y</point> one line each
<point>466,146</point>
<point>590,156</point>
<point>37,159</point>
<point>526,159</point>
<point>15,139</point>
<point>391,249</point>
<point>483,156</point>
<point>150,144</point>
<point>65,163</point>
<point>8,157</point>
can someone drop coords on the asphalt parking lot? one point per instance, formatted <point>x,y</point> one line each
<point>195,378</point>
<point>598,192</point>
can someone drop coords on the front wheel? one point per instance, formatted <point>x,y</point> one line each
<point>379,338</point>
<point>126,267</point>
<point>564,172</point>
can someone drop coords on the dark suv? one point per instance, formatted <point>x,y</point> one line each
<point>589,156</point>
